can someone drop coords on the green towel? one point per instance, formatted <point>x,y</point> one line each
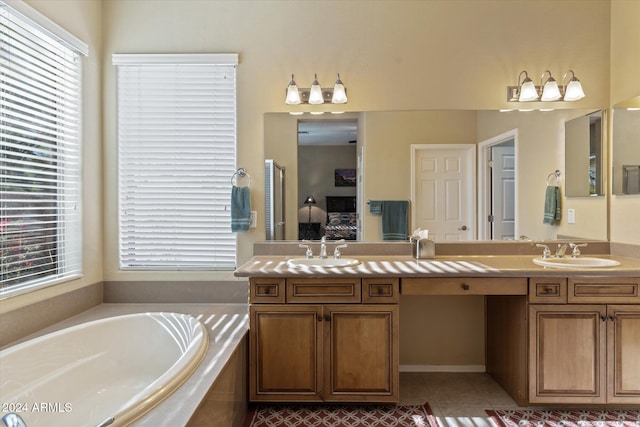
<point>240,209</point>
<point>552,209</point>
<point>395,220</point>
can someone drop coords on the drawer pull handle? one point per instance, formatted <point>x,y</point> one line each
<point>548,290</point>
<point>380,291</point>
<point>464,287</point>
<point>267,291</point>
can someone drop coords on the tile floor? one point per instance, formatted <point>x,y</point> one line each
<point>457,399</point>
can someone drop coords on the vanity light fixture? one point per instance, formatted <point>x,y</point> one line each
<point>316,94</point>
<point>549,90</point>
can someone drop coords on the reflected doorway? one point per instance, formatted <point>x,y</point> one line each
<point>328,175</point>
<point>497,165</point>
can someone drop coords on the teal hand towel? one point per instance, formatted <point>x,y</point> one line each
<point>552,209</point>
<point>395,220</point>
<point>375,207</point>
<point>240,209</point>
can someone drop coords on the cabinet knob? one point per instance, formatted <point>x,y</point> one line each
<point>319,318</point>
<point>327,318</point>
<point>266,291</point>
<point>603,318</point>
<point>464,287</point>
<point>380,291</point>
<point>612,318</point>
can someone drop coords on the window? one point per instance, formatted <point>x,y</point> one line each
<point>176,156</point>
<point>40,159</point>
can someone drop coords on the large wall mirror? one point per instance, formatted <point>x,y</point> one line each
<point>376,156</point>
<point>626,147</point>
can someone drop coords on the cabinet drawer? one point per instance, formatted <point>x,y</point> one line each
<point>465,286</point>
<point>323,290</point>
<point>548,290</point>
<point>266,290</point>
<point>380,291</point>
<point>604,290</point>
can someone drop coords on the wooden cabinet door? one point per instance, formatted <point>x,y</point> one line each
<point>361,355</point>
<point>623,348</point>
<point>567,351</point>
<point>285,353</point>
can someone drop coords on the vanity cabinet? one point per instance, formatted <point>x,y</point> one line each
<point>324,340</point>
<point>584,350</point>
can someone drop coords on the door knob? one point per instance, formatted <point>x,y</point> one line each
<point>463,228</point>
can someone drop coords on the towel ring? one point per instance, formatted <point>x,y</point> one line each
<point>238,177</point>
<point>555,175</point>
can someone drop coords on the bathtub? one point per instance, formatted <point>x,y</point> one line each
<point>105,372</point>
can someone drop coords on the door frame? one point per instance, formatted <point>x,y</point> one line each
<point>484,182</point>
<point>470,149</point>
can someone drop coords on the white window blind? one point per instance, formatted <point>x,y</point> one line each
<point>40,159</point>
<point>176,156</point>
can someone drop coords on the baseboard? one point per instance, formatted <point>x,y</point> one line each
<point>442,368</point>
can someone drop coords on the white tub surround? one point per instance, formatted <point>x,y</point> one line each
<point>109,371</point>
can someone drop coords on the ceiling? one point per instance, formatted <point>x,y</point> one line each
<point>327,132</point>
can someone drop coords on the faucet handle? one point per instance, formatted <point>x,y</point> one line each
<point>308,253</point>
<point>336,251</point>
<point>576,249</point>
<point>546,252</point>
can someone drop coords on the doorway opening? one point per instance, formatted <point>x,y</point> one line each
<point>328,179</point>
<point>497,187</point>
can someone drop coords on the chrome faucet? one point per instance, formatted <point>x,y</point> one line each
<point>323,248</point>
<point>13,420</point>
<point>562,248</point>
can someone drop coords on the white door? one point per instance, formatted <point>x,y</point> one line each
<point>503,192</point>
<point>443,190</point>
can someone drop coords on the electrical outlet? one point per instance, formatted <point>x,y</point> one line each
<point>254,219</point>
<point>571,216</point>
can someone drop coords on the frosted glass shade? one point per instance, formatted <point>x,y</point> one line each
<point>528,91</point>
<point>574,91</point>
<point>339,92</point>
<point>315,95</point>
<point>293,96</point>
<point>551,92</point>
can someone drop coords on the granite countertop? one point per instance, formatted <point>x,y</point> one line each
<point>441,266</point>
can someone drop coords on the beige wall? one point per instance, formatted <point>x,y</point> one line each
<point>82,18</point>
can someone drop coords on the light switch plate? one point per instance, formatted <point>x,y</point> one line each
<point>571,216</point>
<point>254,219</point>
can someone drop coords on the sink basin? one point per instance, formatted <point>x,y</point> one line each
<point>583,262</point>
<point>326,262</point>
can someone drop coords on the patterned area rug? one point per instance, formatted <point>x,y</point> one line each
<point>566,418</point>
<point>340,416</point>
